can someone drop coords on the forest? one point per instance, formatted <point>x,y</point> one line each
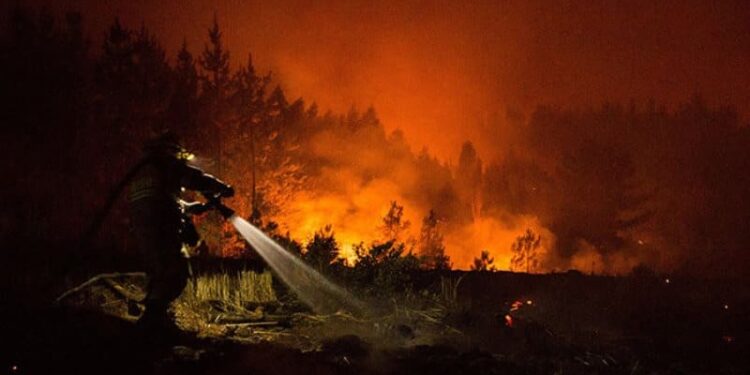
<point>604,189</point>
<point>602,239</point>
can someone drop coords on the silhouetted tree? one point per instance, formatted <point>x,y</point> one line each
<point>183,105</point>
<point>279,173</point>
<point>525,252</point>
<point>431,247</point>
<point>215,64</point>
<point>394,224</point>
<point>323,249</point>
<point>249,99</point>
<point>215,84</point>
<point>215,121</point>
<point>484,263</point>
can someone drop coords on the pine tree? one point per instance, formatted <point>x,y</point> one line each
<point>151,90</point>
<point>526,252</point>
<point>394,225</point>
<point>216,117</point>
<point>431,247</point>
<point>215,64</point>
<point>215,83</point>
<point>249,99</point>
<point>184,101</point>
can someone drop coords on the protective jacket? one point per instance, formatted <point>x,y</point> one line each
<point>158,223</point>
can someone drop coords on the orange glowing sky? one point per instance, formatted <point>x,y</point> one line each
<point>442,71</point>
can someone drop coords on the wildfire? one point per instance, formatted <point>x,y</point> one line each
<point>356,214</point>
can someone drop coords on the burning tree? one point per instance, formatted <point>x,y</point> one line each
<point>526,252</point>
<point>431,247</point>
<point>484,262</point>
<point>394,225</point>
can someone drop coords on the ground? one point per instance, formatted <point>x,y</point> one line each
<point>483,323</point>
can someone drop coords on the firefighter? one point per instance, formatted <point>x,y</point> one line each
<point>160,223</point>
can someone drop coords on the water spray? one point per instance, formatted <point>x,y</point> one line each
<point>310,286</point>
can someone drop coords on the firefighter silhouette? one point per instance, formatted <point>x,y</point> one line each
<point>160,222</point>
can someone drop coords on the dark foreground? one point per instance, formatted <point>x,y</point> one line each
<point>564,324</point>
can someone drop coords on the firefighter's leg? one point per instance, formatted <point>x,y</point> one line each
<point>167,279</point>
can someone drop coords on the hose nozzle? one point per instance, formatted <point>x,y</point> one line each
<point>214,201</point>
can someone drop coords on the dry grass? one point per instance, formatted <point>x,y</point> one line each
<point>449,291</point>
<point>232,291</point>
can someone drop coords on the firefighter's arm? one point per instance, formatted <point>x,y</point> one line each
<point>195,179</point>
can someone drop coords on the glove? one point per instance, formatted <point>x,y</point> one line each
<point>195,208</point>
<point>228,191</point>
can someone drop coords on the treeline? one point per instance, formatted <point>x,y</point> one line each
<point>622,185</point>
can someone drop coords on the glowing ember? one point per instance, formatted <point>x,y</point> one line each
<point>508,320</point>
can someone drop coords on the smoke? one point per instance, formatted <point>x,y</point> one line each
<point>441,71</point>
<point>356,169</point>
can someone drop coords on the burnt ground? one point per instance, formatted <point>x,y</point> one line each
<point>561,323</point>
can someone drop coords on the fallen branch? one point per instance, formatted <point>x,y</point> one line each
<point>237,319</point>
<point>254,324</point>
<point>124,293</point>
<point>96,279</point>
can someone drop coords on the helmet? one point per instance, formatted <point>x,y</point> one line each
<point>167,143</point>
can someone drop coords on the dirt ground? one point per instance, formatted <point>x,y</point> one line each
<point>486,323</point>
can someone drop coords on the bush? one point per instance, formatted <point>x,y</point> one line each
<point>382,268</point>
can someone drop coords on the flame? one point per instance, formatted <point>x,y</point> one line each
<point>356,214</point>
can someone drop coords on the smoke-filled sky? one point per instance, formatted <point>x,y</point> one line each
<point>447,71</point>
